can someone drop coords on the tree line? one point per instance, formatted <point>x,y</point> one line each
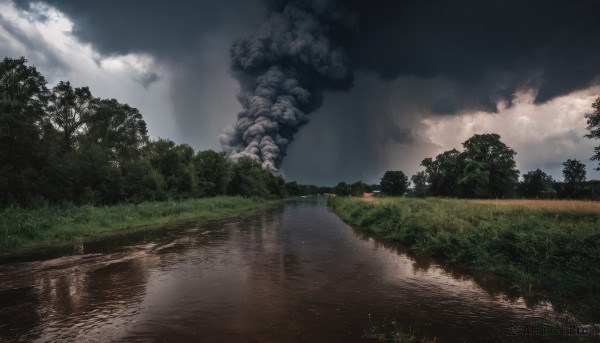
<point>486,169</point>
<point>63,145</point>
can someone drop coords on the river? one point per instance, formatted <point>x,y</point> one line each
<point>293,272</point>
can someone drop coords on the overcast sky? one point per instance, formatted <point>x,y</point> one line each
<point>419,79</point>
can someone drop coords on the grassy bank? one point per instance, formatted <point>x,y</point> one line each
<point>548,245</point>
<point>22,229</point>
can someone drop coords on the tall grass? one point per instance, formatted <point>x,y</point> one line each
<point>21,228</point>
<point>561,206</point>
<point>550,245</point>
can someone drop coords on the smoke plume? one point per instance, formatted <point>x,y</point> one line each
<point>283,68</point>
<point>470,55</point>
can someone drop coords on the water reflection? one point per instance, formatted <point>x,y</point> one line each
<point>556,310</point>
<point>293,272</point>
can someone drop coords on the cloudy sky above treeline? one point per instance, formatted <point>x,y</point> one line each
<point>422,78</point>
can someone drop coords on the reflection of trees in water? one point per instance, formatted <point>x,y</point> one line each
<point>259,240</point>
<point>18,310</point>
<point>495,286</point>
<point>87,298</point>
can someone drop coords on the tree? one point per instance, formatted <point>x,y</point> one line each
<point>293,189</point>
<point>444,173</point>
<point>342,189</point>
<point>249,179</point>
<point>141,182</point>
<point>574,174</point>
<point>22,89</point>
<point>574,171</point>
<point>421,187</point>
<point>175,164</point>
<point>358,188</point>
<point>98,180</point>
<point>490,168</point>
<point>275,184</point>
<point>537,184</point>
<point>23,97</point>
<point>69,109</point>
<point>118,128</point>
<point>475,179</point>
<point>593,121</point>
<point>394,183</point>
<point>213,171</point>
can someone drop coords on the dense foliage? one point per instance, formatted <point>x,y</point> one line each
<point>537,184</point>
<point>593,121</point>
<point>63,145</point>
<point>394,183</point>
<point>485,169</point>
<point>574,171</point>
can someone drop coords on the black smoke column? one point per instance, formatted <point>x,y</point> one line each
<point>283,68</point>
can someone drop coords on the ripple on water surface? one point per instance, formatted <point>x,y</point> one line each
<point>293,272</point>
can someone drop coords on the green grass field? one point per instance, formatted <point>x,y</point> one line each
<point>548,245</point>
<point>27,229</point>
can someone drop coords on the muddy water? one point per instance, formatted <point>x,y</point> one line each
<point>290,273</point>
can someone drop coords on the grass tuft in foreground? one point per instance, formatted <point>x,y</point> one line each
<point>552,246</point>
<point>23,229</point>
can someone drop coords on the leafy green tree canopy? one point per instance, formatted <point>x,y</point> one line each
<point>214,171</point>
<point>118,128</point>
<point>23,96</point>
<point>490,169</point>
<point>593,121</point>
<point>22,88</point>
<point>537,184</point>
<point>420,184</point>
<point>394,183</point>
<point>175,164</point>
<point>342,189</point>
<point>358,188</point>
<point>70,108</point>
<point>574,171</point>
<point>444,173</point>
<point>249,179</point>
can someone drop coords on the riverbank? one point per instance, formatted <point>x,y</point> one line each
<point>548,246</point>
<point>25,230</point>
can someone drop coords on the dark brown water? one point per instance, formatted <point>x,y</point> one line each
<point>290,273</point>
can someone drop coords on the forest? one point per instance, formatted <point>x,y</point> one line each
<point>62,145</point>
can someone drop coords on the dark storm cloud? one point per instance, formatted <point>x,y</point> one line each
<point>396,133</point>
<point>487,50</point>
<point>462,56</point>
<point>162,28</point>
<point>490,48</point>
<point>189,39</point>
